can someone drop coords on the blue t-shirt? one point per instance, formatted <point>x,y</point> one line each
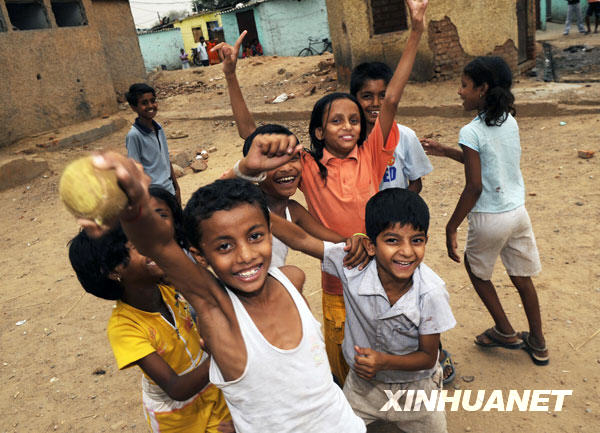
<point>499,149</point>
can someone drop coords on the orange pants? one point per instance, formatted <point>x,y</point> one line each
<point>334,317</point>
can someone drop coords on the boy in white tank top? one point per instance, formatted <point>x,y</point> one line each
<point>268,354</point>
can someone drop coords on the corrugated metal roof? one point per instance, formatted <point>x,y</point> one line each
<point>243,6</point>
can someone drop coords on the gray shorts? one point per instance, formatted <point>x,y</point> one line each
<point>506,234</point>
<point>367,397</point>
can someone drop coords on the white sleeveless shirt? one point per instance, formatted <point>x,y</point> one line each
<point>280,250</point>
<point>285,391</point>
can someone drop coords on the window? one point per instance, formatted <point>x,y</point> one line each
<point>68,13</point>
<point>388,16</point>
<point>27,15</point>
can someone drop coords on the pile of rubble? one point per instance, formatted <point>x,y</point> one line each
<point>186,161</point>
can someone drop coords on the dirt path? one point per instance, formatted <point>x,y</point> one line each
<point>57,369</point>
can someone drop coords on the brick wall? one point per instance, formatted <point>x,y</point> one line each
<point>449,58</point>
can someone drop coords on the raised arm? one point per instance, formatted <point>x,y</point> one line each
<point>394,90</point>
<point>229,55</point>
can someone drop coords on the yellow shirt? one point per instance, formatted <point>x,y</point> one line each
<point>134,334</point>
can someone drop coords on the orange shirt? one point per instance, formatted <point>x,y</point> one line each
<point>339,203</point>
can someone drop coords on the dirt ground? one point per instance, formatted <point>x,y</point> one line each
<point>56,366</point>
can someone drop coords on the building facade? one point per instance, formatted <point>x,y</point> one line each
<point>281,26</point>
<point>160,49</point>
<point>456,32</point>
<point>63,62</point>
<point>206,24</point>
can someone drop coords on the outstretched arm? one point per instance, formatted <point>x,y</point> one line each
<point>435,148</point>
<point>229,55</point>
<point>296,238</point>
<point>394,90</point>
<point>467,200</point>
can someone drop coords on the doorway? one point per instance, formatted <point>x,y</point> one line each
<point>522,30</point>
<point>246,21</point>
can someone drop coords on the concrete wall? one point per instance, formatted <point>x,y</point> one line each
<point>57,76</point>
<point>455,32</point>
<point>187,24</point>
<point>161,48</point>
<point>284,26</point>
<point>117,31</point>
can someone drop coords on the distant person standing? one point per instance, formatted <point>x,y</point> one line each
<point>593,8</point>
<point>573,8</point>
<point>185,63</point>
<point>201,48</point>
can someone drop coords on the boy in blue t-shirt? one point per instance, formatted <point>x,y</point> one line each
<point>146,141</point>
<point>396,309</point>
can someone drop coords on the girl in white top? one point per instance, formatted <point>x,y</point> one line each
<point>494,202</point>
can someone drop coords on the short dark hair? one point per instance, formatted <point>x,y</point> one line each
<point>270,128</point>
<point>369,71</point>
<point>176,211</point>
<point>136,90</point>
<point>392,206</point>
<point>499,100</point>
<point>223,194</point>
<point>94,259</point>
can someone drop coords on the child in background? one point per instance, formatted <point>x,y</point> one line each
<point>493,200</point>
<point>409,164</point>
<point>267,352</point>
<point>396,307</point>
<point>146,141</point>
<point>343,169</point>
<point>151,327</point>
<point>185,62</point>
<point>592,9</point>
<point>573,7</point>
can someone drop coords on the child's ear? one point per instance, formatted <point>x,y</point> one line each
<point>199,257</point>
<point>115,276</point>
<point>319,133</point>
<point>369,246</point>
<point>484,88</point>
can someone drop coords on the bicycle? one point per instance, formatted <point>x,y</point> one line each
<point>310,51</point>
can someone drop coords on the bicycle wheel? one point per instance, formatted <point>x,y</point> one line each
<point>306,52</point>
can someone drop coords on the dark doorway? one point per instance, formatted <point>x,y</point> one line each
<point>246,21</point>
<point>522,30</point>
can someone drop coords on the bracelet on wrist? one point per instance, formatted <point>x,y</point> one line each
<point>258,179</point>
<point>360,234</point>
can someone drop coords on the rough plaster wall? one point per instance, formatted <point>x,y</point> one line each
<point>286,25</point>
<point>480,28</point>
<point>114,23</point>
<point>161,48</point>
<point>74,81</point>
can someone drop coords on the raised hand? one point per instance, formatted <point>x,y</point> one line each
<point>357,253</point>
<point>417,13</point>
<point>269,151</point>
<point>432,147</point>
<point>229,54</point>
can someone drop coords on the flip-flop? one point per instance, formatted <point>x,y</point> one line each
<point>493,334</point>
<point>531,350</point>
<point>447,362</point>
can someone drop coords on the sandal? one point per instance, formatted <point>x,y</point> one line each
<point>492,334</point>
<point>533,350</point>
<point>447,363</point>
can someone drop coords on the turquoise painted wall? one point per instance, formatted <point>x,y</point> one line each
<point>283,26</point>
<point>161,48</point>
<point>559,10</point>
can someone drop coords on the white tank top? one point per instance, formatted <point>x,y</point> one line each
<point>280,250</point>
<point>285,391</point>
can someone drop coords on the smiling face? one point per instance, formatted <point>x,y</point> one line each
<point>236,243</point>
<point>471,95</point>
<point>370,97</point>
<point>399,250</point>
<point>282,182</point>
<point>341,127</point>
<point>140,271</point>
<point>146,106</point>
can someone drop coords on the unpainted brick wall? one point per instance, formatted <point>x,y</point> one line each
<point>449,58</point>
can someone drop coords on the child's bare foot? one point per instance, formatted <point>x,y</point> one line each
<point>536,348</point>
<point>493,338</point>
<point>448,369</point>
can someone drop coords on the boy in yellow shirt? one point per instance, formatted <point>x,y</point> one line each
<point>151,327</point>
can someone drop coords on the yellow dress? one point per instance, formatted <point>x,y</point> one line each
<point>134,334</point>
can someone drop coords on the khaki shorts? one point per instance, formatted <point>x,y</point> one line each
<point>508,235</point>
<point>368,397</point>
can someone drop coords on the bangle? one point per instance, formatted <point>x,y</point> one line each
<point>258,179</point>
<point>360,234</point>
<point>136,217</point>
